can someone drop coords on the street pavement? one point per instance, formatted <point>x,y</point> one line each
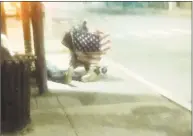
<point>122,102</point>
<point>156,48</point>
<point>159,51</point>
<point>92,114</point>
<point>115,81</point>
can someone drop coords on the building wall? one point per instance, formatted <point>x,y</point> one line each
<point>170,5</point>
<point>184,5</point>
<point>125,5</point>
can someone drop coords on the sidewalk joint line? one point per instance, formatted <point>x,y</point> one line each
<point>67,116</point>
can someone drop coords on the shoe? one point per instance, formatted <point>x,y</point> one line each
<point>90,76</point>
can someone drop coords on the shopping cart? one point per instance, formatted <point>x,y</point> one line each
<point>87,49</point>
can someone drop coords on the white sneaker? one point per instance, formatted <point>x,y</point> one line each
<point>90,76</point>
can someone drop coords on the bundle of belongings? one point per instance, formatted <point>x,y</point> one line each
<point>87,49</point>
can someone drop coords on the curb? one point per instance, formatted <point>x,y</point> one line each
<point>165,93</point>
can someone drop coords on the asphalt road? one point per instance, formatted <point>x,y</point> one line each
<point>157,48</point>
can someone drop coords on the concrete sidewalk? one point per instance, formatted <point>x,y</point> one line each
<point>94,114</point>
<point>115,105</point>
<point>109,82</point>
<point>116,77</point>
<point>108,107</point>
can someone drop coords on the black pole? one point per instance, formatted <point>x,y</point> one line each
<point>38,34</point>
<point>3,19</point>
<point>26,26</point>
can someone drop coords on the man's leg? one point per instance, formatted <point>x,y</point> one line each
<point>72,65</point>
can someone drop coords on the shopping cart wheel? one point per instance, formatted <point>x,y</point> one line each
<point>104,70</point>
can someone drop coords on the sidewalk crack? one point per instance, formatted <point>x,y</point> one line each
<point>67,116</point>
